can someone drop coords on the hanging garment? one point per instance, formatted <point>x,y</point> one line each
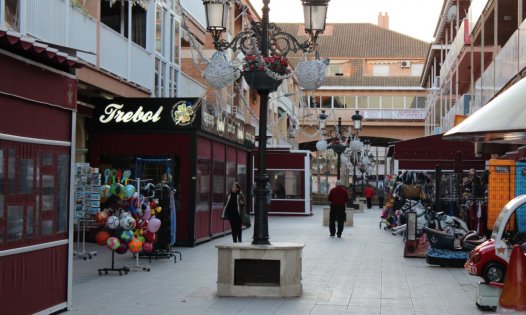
<point>173,218</point>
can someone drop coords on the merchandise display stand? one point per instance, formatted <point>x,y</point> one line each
<point>164,193</point>
<point>112,268</point>
<point>82,254</point>
<point>137,266</point>
<point>87,203</point>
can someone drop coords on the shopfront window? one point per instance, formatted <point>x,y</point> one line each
<point>203,184</point>
<point>218,182</point>
<point>286,184</point>
<point>231,173</point>
<point>34,193</point>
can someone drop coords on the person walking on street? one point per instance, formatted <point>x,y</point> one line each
<point>234,209</point>
<point>338,199</point>
<point>381,194</point>
<point>369,194</point>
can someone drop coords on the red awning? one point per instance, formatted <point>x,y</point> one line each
<point>33,49</point>
<point>426,153</point>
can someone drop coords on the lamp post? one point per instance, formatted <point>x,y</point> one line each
<point>337,141</point>
<point>355,148</point>
<point>264,33</point>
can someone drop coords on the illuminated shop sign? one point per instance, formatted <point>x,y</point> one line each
<point>146,113</point>
<point>227,126</point>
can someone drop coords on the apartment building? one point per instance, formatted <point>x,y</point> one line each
<point>478,54</point>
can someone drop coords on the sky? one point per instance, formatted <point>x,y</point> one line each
<point>415,18</point>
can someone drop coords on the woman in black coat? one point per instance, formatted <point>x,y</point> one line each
<point>234,209</point>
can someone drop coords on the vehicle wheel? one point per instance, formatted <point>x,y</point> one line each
<point>494,272</point>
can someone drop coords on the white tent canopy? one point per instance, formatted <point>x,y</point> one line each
<point>502,120</point>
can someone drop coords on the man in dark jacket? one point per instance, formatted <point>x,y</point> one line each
<point>338,199</point>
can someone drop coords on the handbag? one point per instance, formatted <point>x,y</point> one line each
<point>246,220</point>
<point>411,192</point>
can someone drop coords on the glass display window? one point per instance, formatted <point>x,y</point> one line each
<point>286,184</point>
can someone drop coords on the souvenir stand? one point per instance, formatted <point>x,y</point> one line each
<point>129,218</point>
<point>201,151</point>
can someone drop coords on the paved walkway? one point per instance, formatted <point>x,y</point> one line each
<point>364,272</point>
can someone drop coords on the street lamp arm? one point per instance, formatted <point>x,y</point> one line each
<point>280,42</point>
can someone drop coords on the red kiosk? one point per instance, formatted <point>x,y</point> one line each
<point>37,131</point>
<point>207,150</point>
<point>290,180</point>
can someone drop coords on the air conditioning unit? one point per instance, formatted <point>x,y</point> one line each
<point>405,64</point>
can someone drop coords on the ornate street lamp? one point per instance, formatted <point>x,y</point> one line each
<point>264,38</point>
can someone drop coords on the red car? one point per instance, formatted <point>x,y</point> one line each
<point>483,262</point>
<point>490,259</point>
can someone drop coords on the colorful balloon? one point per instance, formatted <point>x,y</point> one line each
<point>127,223</point>
<point>147,247</point>
<point>154,224</point>
<point>135,246</point>
<point>112,222</point>
<point>105,191</point>
<point>150,236</point>
<point>101,237</point>
<point>126,236</point>
<point>141,239</point>
<point>113,243</point>
<point>147,214</point>
<point>122,249</point>
<point>101,217</point>
<point>129,191</point>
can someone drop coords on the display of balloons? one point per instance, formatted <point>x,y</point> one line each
<point>127,222</point>
<point>113,243</point>
<point>105,191</point>
<point>101,217</point>
<point>112,222</point>
<point>147,247</point>
<point>154,224</point>
<point>126,236</point>
<point>122,249</point>
<point>101,237</point>
<point>135,245</point>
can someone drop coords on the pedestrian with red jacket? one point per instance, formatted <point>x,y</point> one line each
<point>338,199</point>
<point>369,194</point>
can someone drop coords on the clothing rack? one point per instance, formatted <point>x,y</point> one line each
<point>166,235</point>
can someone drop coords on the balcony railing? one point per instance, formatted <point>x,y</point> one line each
<point>57,22</point>
<point>475,12</point>
<point>508,62</point>
<point>454,51</point>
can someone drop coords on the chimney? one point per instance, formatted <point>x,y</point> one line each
<point>383,20</point>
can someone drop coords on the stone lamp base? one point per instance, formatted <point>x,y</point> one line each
<point>259,270</point>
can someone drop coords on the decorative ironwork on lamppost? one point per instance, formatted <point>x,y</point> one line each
<point>264,38</point>
<point>336,138</point>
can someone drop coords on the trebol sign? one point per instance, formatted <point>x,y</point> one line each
<point>145,113</point>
